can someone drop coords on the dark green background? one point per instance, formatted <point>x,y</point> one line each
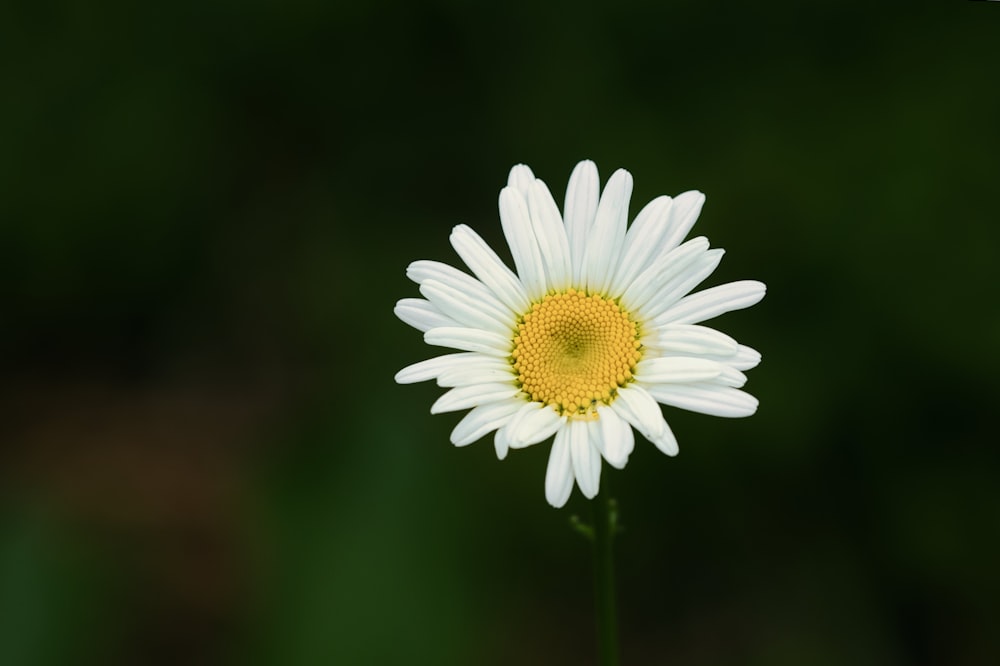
<point>205,216</point>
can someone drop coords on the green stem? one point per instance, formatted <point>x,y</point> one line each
<point>605,525</point>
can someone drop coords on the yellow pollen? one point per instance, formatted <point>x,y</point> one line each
<point>573,351</point>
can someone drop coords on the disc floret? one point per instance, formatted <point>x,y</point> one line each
<point>574,350</point>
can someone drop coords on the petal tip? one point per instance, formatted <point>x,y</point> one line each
<point>555,505</point>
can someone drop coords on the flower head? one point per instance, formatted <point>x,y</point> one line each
<point>594,329</point>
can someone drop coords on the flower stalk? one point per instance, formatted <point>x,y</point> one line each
<point>605,527</point>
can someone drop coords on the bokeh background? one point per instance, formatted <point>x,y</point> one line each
<point>206,210</point>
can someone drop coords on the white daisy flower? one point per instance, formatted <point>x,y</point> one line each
<point>594,329</point>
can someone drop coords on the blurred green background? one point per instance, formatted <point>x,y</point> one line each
<point>206,211</point>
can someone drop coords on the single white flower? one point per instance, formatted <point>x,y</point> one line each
<point>593,330</point>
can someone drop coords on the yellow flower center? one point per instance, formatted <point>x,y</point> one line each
<point>573,351</point>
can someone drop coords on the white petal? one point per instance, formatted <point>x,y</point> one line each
<point>432,367</point>
<point>424,270</point>
<point>616,437</point>
<point>520,178</point>
<point>481,372</point>
<point>586,458</point>
<point>488,267</point>
<point>532,424</point>
<point>730,377</point>
<point>637,407</point>
<point>641,243</point>
<point>500,442</point>
<point>706,399</point>
<point>464,397</point>
<point>666,442</point>
<point>483,419</point>
<point>516,223</point>
<point>640,409</point>
<point>746,358</point>
<point>605,240</point>
<point>713,302</point>
<point>421,314</point>
<point>470,376</point>
<point>559,472</point>
<point>582,196</point>
<point>596,436</point>
<point>683,214</point>
<point>551,235</point>
<point>691,339</point>
<point>469,309</point>
<point>658,230</point>
<point>470,339</point>
<point>680,285</point>
<point>676,370</point>
<point>645,287</point>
